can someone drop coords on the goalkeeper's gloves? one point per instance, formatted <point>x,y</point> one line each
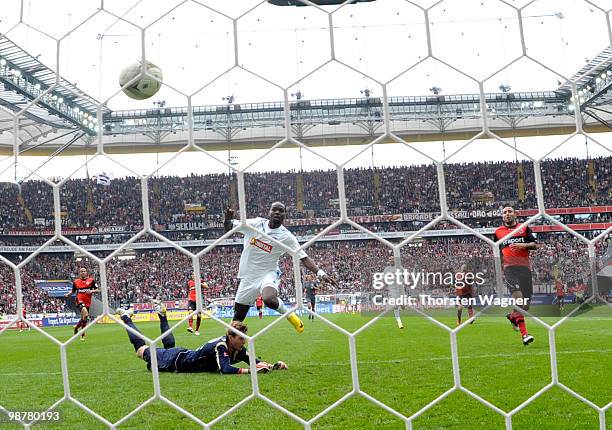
<point>263,367</point>
<point>280,365</point>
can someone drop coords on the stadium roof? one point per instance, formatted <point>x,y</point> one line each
<point>64,120</point>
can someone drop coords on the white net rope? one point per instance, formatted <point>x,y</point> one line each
<point>158,395</point>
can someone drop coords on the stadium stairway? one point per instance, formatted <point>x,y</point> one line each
<point>377,188</point>
<point>233,193</point>
<point>299,191</point>
<point>592,175</point>
<point>520,175</point>
<point>26,210</point>
<point>90,204</point>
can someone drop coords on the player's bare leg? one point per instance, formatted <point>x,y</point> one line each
<point>83,322</point>
<point>459,313</point>
<point>240,311</point>
<point>271,300</point>
<point>198,321</point>
<point>190,322</point>
<point>471,313</point>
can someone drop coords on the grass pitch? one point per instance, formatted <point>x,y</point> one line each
<point>404,369</point>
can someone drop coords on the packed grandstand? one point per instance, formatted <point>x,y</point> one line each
<point>577,192</point>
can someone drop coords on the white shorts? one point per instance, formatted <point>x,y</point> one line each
<point>250,289</point>
<point>396,291</point>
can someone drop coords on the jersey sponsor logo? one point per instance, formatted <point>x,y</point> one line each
<point>513,240</point>
<point>266,247</point>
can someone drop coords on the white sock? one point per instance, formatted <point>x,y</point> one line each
<point>281,307</point>
<point>396,312</point>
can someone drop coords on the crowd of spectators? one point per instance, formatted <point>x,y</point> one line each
<point>163,273</point>
<point>389,190</point>
<point>213,232</point>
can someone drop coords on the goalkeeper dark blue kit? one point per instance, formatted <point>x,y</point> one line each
<point>210,357</point>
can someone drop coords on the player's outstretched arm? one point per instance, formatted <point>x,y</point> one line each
<point>261,366</point>
<point>229,216</point>
<point>71,292</point>
<point>312,266</point>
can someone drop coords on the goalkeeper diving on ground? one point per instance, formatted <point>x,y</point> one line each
<point>217,355</point>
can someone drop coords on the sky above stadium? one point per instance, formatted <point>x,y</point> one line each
<point>194,46</point>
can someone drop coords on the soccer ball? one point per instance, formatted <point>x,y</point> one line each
<point>145,86</point>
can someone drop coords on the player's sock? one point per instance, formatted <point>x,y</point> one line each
<point>168,340</point>
<point>190,321</point>
<point>281,309</point>
<point>471,314</point>
<point>198,321</point>
<point>83,325</point>
<point>396,312</point>
<point>134,340</point>
<point>459,312</point>
<point>519,320</point>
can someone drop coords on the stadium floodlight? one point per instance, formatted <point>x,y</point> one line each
<point>298,95</point>
<point>229,99</point>
<point>504,88</point>
<point>2,62</point>
<point>366,92</point>
<point>435,90</point>
<point>603,75</point>
<point>60,100</point>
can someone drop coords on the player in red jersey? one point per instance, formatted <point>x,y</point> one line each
<point>515,262</point>
<point>84,286</point>
<point>560,293</point>
<point>22,324</point>
<point>463,290</point>
<point>193,304</point>
<point>259,305</point>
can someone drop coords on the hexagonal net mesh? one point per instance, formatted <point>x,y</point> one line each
<point>387,134</point>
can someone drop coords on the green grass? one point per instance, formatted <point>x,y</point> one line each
<point>404,369</point>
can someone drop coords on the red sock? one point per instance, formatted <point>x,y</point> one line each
<point>190,322</point>
<point>470,313</point>
<point>519,320</point>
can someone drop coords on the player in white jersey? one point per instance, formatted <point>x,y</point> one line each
<point>259,272</point>
<point>395,290</point>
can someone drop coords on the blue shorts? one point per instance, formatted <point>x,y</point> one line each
<point>166,358</point>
